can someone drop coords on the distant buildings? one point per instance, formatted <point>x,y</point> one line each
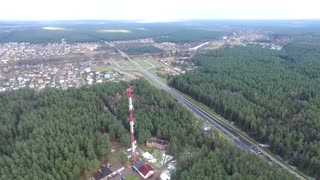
<point>61,76</point>
<point>14,51</point>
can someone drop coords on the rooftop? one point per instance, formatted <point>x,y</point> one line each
<point>102,173</point>
<point>145,169</point>
<point>138,165</point>
<point>116,167</point>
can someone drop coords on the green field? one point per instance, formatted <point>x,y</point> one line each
<point>115,157</point>
<point>101,68</point>
<point>144,64</point>
<point>126,65</point>
<point>130,177</point>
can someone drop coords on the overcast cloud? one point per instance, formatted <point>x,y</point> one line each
<point>158,10</point>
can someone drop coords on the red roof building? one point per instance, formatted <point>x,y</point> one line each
<point>145,170</point>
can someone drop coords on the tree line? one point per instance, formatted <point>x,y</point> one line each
<point>56,134</point>
<point>272,95</point>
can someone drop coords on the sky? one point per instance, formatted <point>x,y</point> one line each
<point>158,10</point>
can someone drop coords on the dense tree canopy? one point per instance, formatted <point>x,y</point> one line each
<point>223,163</point>
<point>189,35</point>
<point>57,134</point>
<point>272,95</point>
<point>54,134</point>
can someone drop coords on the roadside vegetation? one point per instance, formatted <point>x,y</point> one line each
<point>272,95</point>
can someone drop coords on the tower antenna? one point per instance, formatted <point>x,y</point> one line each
<point>131,121</point>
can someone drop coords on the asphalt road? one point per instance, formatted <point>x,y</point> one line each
<point>231,134</point>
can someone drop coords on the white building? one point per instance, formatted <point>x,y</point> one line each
<point>149,157</point>
<point>165,176</point>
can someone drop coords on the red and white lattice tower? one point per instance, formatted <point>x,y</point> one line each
<point>131,121</point>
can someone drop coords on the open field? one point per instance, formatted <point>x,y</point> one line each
<point>126,65</point>
<point>131,177</point>
<point>144,64</point>
<point>154,72</point>
<point>102,68</point>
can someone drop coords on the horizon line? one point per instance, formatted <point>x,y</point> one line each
<point>159,20</point>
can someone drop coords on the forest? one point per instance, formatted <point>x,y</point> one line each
<point>272,95</point>
<point>72,34</point>
<point>188,35</point>
<point>137,50</point>
<point>90,31</point>
<point>56,134</point>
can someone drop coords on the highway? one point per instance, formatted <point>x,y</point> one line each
<point>229,132</point>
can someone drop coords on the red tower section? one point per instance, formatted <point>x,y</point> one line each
<point>131,121</point>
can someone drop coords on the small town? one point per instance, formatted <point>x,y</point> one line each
<point>14,51</point>
<point>64,65</point>
<point>58,76</point>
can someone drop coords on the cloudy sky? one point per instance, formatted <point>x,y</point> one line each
<point>158,10</point>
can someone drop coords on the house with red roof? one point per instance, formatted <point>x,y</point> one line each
<point>145,170</point>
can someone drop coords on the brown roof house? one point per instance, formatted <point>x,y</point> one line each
<point>106,173</point>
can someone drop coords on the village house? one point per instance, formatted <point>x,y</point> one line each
<point>108,172</point>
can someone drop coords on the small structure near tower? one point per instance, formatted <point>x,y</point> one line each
<point>157,143</point>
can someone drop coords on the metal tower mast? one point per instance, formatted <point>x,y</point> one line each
<point>131,120</point>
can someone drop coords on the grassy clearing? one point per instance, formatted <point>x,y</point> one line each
<point>102,68</point>
<point>154,72</point>
<point>114,31</point>
<point>144,64</point>
<point>126,65</point>
<point>146,149</point>
<point>115,157</point>
<point>131,177</point>
<point>155,62</point>
<point>159,156</point>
